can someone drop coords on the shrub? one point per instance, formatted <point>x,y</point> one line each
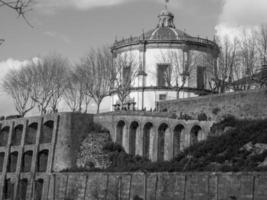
<point>202,117</point>
<point>216,110</point>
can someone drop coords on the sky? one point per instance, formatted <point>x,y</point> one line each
<point>72,27</point>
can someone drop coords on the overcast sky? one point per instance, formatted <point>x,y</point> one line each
<point>71,27</point>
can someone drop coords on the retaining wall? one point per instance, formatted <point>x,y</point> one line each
<point>249,104</point>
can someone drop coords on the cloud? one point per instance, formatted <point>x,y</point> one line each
<point>51,5</point>
<point>240,16</point>
<point>60,36</point>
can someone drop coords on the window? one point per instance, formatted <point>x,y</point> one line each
<point>162,97</point>
<point>163,75</point>
<point>126,75</point>
<point>201,77</point>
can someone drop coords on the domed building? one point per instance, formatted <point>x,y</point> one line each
<point>164,63</point>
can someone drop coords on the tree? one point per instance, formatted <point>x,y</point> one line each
<point>227,68</point>
<point>19,6</point>
<point>123,75</point>
<point>179,70</point>
<point>75,92</point>
<point>96,68</point>
<point>262,42</point>
<point>18,84</point>
<point>49,82</point>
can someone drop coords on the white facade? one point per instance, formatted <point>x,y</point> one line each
<point>162,58</point>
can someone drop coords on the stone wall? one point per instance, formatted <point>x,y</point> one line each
<point>160,186</point>
<point>249,104</point>
<point>91,151</point>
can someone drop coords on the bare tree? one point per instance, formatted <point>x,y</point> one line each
<point>227,69</point>
<point>124,74</point>
<point>19,6</point>
<point>49,82</point>
<point>96,69</point>
<point>18,84</point>
<point>180,68</point>
<point>262,42</point>
<point>75,94</point>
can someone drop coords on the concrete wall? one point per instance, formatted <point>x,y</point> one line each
<point>151,186</point>
<point>249,104</point>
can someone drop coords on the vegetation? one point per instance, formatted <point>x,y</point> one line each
<point>220,153</point>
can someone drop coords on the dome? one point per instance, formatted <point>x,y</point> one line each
<point>167,33</point>
<point>166,12</point>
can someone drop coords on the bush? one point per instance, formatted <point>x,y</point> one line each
<point>216,110</point>
<point>202,117</point>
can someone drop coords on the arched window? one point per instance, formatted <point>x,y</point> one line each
<point>132,137</point>
<point>8,189</point>
<point>17,135</point>
<point>146,139</point>
<point>177,132</point>
<point>2,157</point>
<point>4,136</point>
<point>119,131</point>
<point>31,133</point>
<point>47,132</point>
<point>22,189</point>
<point>161,141</point>
<point>26,161</point>
<point>38,189</point>
<point>42,161</point>
<point>12,162</point>
<point>194,134</point>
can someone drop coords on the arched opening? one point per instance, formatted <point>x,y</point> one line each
<point>2,157</point>
<point>38,189</point>
<point>177,132</point>
<point>194,134</point>
<point>146,139</point>
<point>47,132</point>
<point>119,131</point>
<point>12,162</point>
<point>26,161</point>
<point>17,135</point>
<point>161,141</point>
<point>22,189</point>
<point>31,133</point>
<point>132,137</point>
<point>42,161</point>
<point>8,189</point>
<point>4,136</point>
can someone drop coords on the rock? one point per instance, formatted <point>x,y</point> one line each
<point>263,164</point>
<point>247,147</point>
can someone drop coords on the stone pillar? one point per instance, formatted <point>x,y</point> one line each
<point>139,141</point>
<point>125,138</point>
<point>153,143</point>
<point>168,144</point>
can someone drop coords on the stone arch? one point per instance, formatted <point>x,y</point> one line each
<point>132,137</point>
<point>42,160</point>
<point>26,161</point>
<point>17,135</point>
<point>120,131</point>
<point>12,162</point>
<point>30,137</point>
<point>38,189</point>
<point>195,134</point>
<point>22,189</point>
<point>161,140</point>
<point>146,138</point>
<point>2,157</point>
<point>47,132</point>
<point>4,135</point>
<point>177,135</point>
